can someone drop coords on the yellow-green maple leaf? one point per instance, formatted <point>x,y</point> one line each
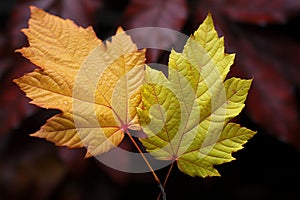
<point>186,116</point>
<point>96,86</point>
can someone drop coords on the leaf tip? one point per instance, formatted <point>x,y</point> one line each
<point>119,30</point>
<point>87,155</point>
<point>19,50</point>
<point>209,17</point>
<point>36,134</point>
<point>209,14</point>
<point>16,81</point>
<point>34,9</point>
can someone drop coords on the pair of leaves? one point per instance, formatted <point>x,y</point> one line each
<point>101,92</point>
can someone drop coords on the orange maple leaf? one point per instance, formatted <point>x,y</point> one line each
<point>96,86</point>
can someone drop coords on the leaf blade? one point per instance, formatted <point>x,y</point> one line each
<point>206,103</point>
<point>50,36</point>
<point>96,86</point>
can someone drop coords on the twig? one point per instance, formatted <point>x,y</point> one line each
<point>161,187</point>
<point>165,182</point>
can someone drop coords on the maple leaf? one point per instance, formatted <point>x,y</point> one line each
<point>186,116</point>
<point>96,86</point>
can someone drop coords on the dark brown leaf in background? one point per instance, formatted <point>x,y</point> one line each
<point>271,103</point>
<point>34,169</point>
<point>170,14</point>
<point>14,107</point>
<point>285,60</point>
<point>260,12</point>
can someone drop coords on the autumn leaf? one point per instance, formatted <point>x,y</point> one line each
<point>187,115</point>
<point>96,86</point>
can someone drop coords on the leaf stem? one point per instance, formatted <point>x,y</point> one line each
<point>161,187</point>
<point>166,179</point>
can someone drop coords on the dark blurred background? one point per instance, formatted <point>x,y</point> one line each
<point>265,35</point>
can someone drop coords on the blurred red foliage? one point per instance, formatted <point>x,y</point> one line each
<point>170,14</point>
